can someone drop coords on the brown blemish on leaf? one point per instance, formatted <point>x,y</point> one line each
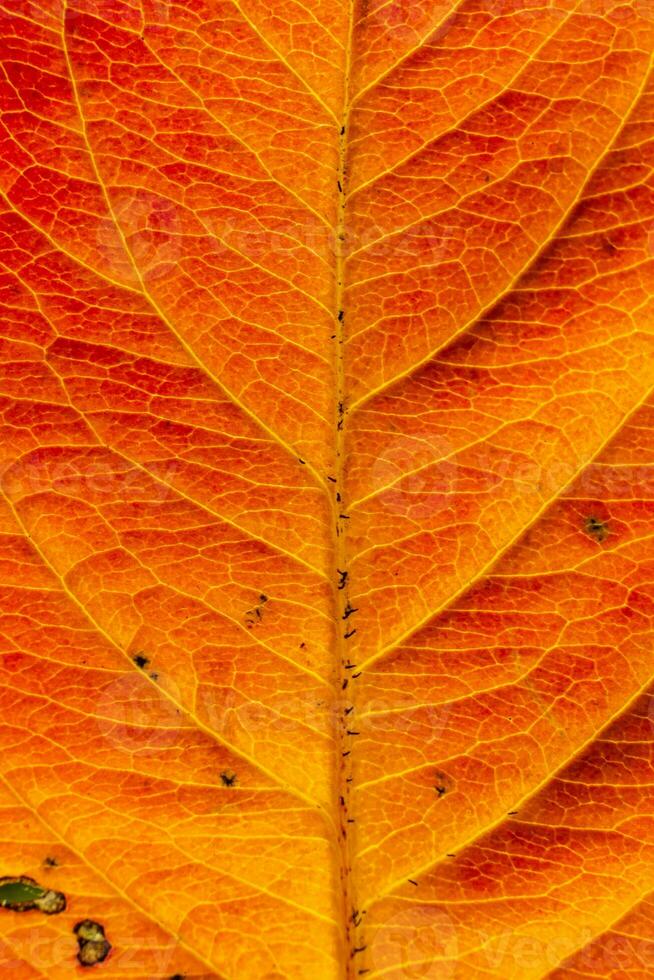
<point>94,947</point>
<point>140,660</point>
<point>596,529</point>
<point>255,615</point>
<point>22,894</point>
<point>52,902</point>
<point>228,778</point>
<point>443,784</point>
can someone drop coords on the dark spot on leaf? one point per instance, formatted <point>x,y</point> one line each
<point>140,660</point>
<point>255,615</point>
<point>228,778</point>
<point>443,784</point>
<point>50,862</point>
<point>94,947</point>
<point>596,528</point>
<point>22,894</point>
<point>349,610</point>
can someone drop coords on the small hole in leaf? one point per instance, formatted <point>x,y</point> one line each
<point>94,947</point>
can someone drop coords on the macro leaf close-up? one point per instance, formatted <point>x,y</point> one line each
<point>327,489</point>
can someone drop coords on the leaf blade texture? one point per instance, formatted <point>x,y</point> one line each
<point>327,487</point>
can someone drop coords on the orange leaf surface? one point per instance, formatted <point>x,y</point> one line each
<point>327,485</point>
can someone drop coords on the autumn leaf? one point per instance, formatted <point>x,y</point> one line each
<point>327,489</point>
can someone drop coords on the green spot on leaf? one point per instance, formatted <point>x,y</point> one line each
<point>22,894</point>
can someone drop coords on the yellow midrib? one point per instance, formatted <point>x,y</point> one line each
<point>342,766</point>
